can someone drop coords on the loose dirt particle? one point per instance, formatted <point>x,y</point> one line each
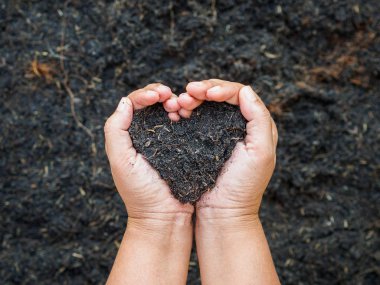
<point>188,154</point>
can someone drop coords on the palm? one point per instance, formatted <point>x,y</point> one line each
<point>238,185</point>
<point>143,190</point>
<point>247,173</point>
<point>139,185</point>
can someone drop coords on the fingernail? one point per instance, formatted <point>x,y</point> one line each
<point>214,89</point>
<point>121,106</point>
<point>248,93</point>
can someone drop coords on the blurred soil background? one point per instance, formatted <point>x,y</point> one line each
<point>65,65</point>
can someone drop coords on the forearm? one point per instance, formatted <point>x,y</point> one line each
<point>234,251</point>
<point>154,254</point>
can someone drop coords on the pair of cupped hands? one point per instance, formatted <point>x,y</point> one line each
<point>237,194</point>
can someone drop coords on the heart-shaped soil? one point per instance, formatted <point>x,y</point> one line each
<point>188,154</point>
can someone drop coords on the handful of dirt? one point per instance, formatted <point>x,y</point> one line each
<point>188,154</point>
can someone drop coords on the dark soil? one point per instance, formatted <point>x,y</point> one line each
<point>188,154</point>
<point>315,63</point>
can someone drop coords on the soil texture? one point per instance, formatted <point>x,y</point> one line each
<point>64,66</point>
<point>188,154</point>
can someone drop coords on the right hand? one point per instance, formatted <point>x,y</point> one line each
<point>239,188</point>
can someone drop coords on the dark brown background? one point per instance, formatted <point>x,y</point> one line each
<point>315,63</point>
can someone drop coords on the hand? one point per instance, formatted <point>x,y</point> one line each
<point>231,244</point>
<point>240,187</point>
<point>146,196</point>
<point>157,243</point>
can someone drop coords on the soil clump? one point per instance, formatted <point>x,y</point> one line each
<point>188,154</point>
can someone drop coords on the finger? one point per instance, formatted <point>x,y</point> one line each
<point>185,113</point>
<point>225,92</point>
<point>259,137</point>
<point>174,116</point>
<point>142,98</point>
<point>188,102</point>
<point>171,105</point>
<point>163,91</point>
<point>215,90</point>
<point>118,141</point>
<point>198,89</point>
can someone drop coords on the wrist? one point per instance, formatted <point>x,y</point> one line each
<point>230,239</point>
<point>227,220</point>
<point>161,226</point>
<point>152,249</point>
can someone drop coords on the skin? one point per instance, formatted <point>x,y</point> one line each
<point>228,230</point>
<point>157,243</point>
<point>231,244</point>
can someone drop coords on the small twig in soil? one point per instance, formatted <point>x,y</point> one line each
<point>214,12</point>
<point>66,84</point>
<point>73,112</point>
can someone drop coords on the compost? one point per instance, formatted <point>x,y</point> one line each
<point>64,66</point>
<point>188,154</point>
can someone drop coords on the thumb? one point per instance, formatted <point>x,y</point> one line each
<point>118,142</point>
<point>259,127</point>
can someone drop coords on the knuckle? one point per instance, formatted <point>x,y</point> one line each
<point>108,125</point>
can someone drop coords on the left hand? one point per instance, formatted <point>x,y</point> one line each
<point>147,197</point>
